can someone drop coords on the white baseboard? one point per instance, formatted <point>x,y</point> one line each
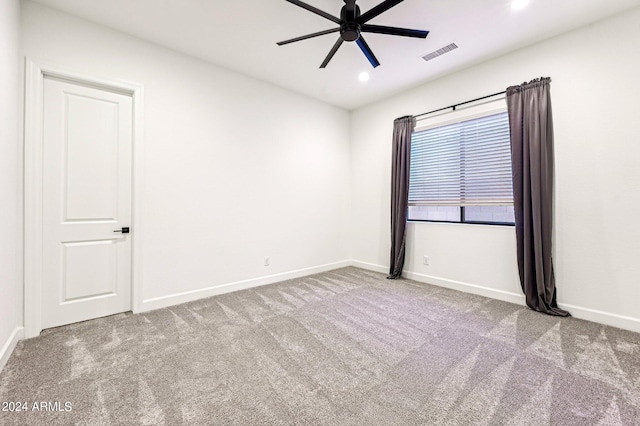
<point>614,320</point>
<point>587,314</point>
<point>443,282</point>
<point>607,318</point>
<point>10,345</point>
<point>189,296</point>
<point>480,290</point>
<point>370,266</point>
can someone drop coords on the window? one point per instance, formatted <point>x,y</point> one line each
<point>461,170</point>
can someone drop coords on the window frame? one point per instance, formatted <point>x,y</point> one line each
<point>458,115</point>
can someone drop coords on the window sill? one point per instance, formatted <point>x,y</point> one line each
<point>509,225</point>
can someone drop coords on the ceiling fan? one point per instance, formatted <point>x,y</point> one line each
<point>353,24</point>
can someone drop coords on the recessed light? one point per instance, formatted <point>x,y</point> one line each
<point>519,4</point>
<point>364,76</point>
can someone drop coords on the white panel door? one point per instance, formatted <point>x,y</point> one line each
<point>87,154</point>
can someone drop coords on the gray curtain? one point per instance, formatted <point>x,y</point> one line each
<point>402,129</point>
<point>531,124</point>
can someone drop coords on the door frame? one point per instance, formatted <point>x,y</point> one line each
<point>35,72</point>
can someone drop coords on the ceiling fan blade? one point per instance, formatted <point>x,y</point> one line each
<point>404,32</point>
<point>367,52</point>
<point>319,33</point>
<point>377,10</point>
<point>333,51</point>
<point>315,10</point>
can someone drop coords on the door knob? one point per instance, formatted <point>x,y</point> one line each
<point>124,230</point>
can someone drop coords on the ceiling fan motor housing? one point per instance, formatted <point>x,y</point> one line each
<point>350,32</point>
<point>350,29</point>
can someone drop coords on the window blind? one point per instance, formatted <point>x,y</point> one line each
<point>463,164</point>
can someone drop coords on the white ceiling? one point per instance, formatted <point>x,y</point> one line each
<point>241,35</point>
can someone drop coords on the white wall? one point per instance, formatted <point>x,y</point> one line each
<point>10,235</point>
<point>595,93</point>
<point>234,169</point>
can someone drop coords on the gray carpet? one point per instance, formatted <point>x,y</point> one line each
<point>346,347</point>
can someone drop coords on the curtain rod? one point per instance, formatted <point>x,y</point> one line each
<point>461,103</point>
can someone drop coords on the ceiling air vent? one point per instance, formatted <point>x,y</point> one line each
<point>440,52</point>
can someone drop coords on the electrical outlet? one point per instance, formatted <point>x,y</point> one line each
<point>425,260</point>
<point>266,261</point>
